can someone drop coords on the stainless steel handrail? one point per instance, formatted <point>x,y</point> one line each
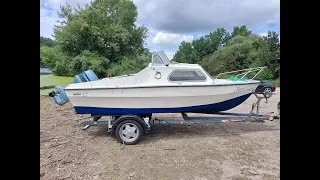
<point>245,72</point>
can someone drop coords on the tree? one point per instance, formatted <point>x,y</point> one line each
<point>99,36</point>
<point>89,60</point>
<point>41,64</point>
<point>219,51</point>
<point>239,53</point>
<point>185,53</point>
<point>130,65</point>
<point>199,48</point>
<point>54,59</point>
<point>216,39</point>
<point>240,31</point>
<point>105,27</point>
<point>44,41</point>
<point>273,41</point>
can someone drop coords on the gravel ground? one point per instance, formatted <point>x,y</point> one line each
<point>245,150</point>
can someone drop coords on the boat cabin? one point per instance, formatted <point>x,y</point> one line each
<point>163,71</point>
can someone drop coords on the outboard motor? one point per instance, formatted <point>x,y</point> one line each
<point>60,97</point>
<point>86,76</point>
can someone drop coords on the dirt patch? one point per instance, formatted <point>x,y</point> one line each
<point>199,152</point>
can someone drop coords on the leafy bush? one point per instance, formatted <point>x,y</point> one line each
<point>89,60</point>
<point>266,74</point>
<point>129,65</point>
<point>220,52</point>
<point>54,59</point>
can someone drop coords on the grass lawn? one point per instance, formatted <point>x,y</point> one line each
<point>47,80</point>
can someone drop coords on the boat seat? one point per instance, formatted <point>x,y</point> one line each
<point>236,79</point>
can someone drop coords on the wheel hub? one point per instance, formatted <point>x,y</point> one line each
<point>129,132</point>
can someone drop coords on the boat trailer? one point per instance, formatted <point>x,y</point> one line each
<point>129,128</point>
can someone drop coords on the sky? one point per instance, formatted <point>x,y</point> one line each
<point>170,22</point>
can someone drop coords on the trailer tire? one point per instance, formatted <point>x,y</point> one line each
<point>129,132</point>
<point>267,92</point>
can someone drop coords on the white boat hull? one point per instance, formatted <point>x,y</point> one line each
<point>166,99</point>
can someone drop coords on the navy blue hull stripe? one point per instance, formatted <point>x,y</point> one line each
<point>208,108</point>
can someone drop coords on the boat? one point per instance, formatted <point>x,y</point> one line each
<point>163,86</point>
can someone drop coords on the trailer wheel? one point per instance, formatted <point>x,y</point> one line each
<point>129,132</point>
<point>267,92</point>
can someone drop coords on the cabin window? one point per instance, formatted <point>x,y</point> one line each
<point>187,75</point>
